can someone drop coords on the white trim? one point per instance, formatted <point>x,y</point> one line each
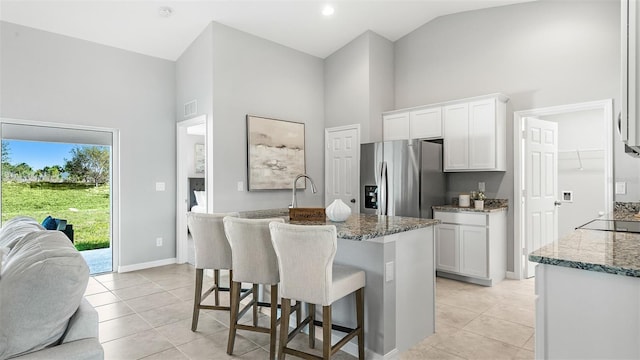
<point>512,275</point>
<point>607,107</point>
<point>146,265</point>
<point>114,181</point>
<point>355,127</point>
<point>182,183</point>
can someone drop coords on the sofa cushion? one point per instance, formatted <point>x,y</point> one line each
<point>42,284</point>
<point>16,228</point>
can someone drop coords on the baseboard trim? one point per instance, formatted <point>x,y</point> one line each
<point>512,275</point>
<point>146,265</point>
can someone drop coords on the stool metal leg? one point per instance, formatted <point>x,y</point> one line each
<point>197,298</point>
<point>326,332</point>
<point>284,327</point>
<point>312,326</point>
<point>360,320</point>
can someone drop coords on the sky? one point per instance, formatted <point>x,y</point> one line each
<point>38,154</point>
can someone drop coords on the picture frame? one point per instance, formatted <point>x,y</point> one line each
<point>198,158</point>
<point>275,153</point>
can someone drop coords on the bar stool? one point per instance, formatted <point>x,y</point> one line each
<point>212,251</point>
<point>307,273</point>
<point>255,262</point>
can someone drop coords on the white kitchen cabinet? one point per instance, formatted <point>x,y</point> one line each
<point>395,126</point>
<point>472,246</point>
<point>475,135</point>
<point>630,78</point>
<point>426,123</point>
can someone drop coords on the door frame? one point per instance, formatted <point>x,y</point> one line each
<point>114,173</point>
<point>518,166</point>
<point>355,127</point>
<point>182,182</point>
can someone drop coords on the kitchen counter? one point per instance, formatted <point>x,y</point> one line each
<point>490,205</point>
<point>358,226</point>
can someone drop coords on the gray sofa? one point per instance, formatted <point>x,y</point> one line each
<point>43,313</point>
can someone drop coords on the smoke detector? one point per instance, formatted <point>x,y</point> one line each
<point>165,11</point>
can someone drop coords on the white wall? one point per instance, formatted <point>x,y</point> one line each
<point>250,75</point>
<point>580,130</point>
<point>358,85</point>
<point>54,78</point>
<point>540,54</point>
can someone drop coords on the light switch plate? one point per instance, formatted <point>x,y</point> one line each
<point>621,187</point>
<point>388,271</point>
<point>240,186</point>
<point>160,186</point>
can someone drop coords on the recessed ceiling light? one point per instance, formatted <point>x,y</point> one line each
<point>165,11</point>
<point>328,10</point>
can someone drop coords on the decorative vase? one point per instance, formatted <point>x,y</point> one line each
<point>338,211</point>
<point>478,204</point>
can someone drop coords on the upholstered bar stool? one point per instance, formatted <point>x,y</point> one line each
<point>307,273</point>
<point>255,262</point>
<point>212,251</point>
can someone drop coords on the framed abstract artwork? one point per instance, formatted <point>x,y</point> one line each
<point>275,153</point>
<point>199,158</point>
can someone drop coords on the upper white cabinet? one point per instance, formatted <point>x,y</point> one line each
<point>395,126</point>
<point>426,123</point>
<point>630,81</point>
<point>475,135</point>
<point>423,123</point>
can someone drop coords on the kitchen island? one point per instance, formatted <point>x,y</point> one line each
<point>397,255</point>
<point>588,296</point>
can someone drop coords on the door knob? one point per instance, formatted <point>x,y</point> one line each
<point>353,201</point>
<point>557,203</point>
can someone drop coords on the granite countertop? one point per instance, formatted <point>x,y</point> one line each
<point>602,251</point>
<point>490,205</point>
<point>357,227</point>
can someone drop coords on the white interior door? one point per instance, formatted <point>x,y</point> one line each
<point>342,165</point>
<point>541,183</point>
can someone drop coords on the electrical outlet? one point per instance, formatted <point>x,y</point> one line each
<point>160,186</point>
<point>159,241</point>
<point>481,186</point>
<point>621,187</point>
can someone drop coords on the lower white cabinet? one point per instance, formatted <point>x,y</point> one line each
<point>472,246</point>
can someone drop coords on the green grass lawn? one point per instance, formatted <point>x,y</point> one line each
<point>84,206</point>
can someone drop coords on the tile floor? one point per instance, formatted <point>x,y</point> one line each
<point>147,314</point>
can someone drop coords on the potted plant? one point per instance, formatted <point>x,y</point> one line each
<point>478,200</point>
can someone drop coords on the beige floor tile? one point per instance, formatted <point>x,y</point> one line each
<point>152,301</point>
<point>117,283</point>
<point>94,287</point>
<point>472,346</point>
<point>136,346</point>
<point>102,299</point>
<point>501,330</point>
<point>184,293</point>
<point>114,275</point>
<point>171,354</point>
<point>428,352</point>
<point>113,311</point>
<point>514,313</point>
<point>442,332</point>
<point>453,316</point>
<point>242,345</point>
<point>121,327</point>
<point>180,333</point>
<point>175,283</point>
<point>475,300</point>
<point>530,344</point>
<point>168,314</point>
<point>137,291</point>
<point>212,348</point>
<point>524,355</point>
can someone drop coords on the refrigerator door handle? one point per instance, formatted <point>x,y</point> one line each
<point>382,192</point>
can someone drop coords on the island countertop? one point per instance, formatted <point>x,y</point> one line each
<point>357,227</point>
<point>602,251</point>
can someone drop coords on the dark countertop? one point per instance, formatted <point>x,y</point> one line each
<point>456,208</point>
<point>357,227</point>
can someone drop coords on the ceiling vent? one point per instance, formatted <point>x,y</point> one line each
<point>190,108</point>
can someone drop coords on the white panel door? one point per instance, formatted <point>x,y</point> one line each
<point>541,183</point>
<point>342,166</point>
<point>474,250</point>
<point>447,248</point>
<point>482,134</point>
<point>426,123</point>
<point>456,136</point>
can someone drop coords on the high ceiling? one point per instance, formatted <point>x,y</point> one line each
<point>137,25</point>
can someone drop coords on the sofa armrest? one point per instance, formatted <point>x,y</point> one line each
<point>85,349</point>
<point>83,324</point>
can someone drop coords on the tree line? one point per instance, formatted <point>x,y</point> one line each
<point>88,164</point>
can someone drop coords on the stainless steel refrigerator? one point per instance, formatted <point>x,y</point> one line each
<point>401,178</point>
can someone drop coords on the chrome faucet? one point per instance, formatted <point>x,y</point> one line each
<point>294,202</point>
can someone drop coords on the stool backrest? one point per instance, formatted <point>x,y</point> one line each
<point>305,260</point>
<point>254,260</point>
<point>211,246</point>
